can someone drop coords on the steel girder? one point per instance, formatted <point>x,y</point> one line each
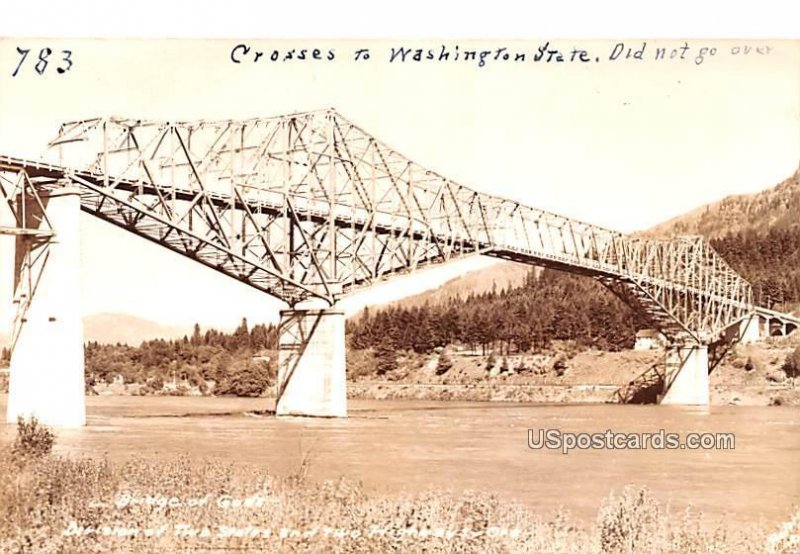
<point>311,205</point>
<point>32,232</point>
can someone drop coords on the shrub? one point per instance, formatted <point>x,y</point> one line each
<point>156,383</point>
<point>491,362</point>
<point>245,378</point>
<point>791,365</point>
<point>33,440</point>
<point>749,365</point>
<point>40,500</point>
<point>690,532</point>
<point>629,523</point>
<point>787,537</point>
<point>444,364</point>
<point>360,363</point>
<point>560,365</point>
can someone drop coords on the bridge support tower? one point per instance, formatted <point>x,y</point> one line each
<point>311,363</point>
<point>47,364</point>
<point>686,376</point>
<point>750,329</point>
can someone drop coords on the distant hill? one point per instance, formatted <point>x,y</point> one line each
<point>757,234</point>
<point>122,328</point>
<point>501,275</point>
<point>774,208</point>
<point>111,328</point>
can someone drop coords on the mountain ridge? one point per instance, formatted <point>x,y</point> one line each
<point>112,328</point>
<point>777,207</point>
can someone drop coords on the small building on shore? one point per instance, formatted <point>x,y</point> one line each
<point>649,339</point>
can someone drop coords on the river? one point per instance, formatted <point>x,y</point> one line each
<point>412,446</point>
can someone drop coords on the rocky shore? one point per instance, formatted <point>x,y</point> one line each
<point>720,395</point>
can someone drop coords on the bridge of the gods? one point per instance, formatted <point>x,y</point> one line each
<point>308,208</point>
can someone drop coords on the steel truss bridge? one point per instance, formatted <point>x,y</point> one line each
<point>310,205</point>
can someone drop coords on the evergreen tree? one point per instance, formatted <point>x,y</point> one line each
<point>241,336</point>
<point>385,358</point>
<point>197,338</point>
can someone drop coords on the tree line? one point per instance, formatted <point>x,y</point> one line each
<point>228,359</point>
<point>549,305</point>
<point>769,260</point>
<point>546,307</point>
<point>560,306</point>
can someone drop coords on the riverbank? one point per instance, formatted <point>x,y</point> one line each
<point>88,505</point>
<point>406,448</point>
<point>482,392</point>
<point>750,375</point>
<point>719,395</point>
<point>766,394</point>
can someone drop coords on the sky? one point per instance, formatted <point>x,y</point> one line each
<point>625,144</point>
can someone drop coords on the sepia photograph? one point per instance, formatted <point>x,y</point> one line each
<point>399,295</point>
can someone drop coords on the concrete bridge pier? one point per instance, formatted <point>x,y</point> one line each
<point>750,330</point>
<point>686,376</point>
<point>311,362</point>
<point>47,366</point>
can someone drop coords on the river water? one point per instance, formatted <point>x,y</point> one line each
<point>394,446</point>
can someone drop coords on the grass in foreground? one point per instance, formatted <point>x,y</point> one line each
<point>55,504</point>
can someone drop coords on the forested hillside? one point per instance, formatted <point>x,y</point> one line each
<point>774,208</point>
<point>758,235</point>
<point>554,306</point>
<point>770,261</point>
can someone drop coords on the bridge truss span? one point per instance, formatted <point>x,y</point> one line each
<point>311,205</point>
